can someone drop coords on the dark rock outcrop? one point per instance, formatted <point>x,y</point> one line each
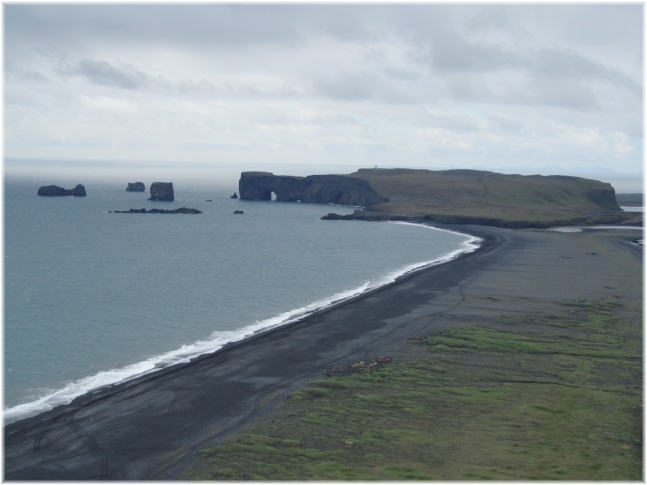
<point>238,212</point>
<point>181,210</point>
<point>55,191</point>
<point>162,191</point>
<point>136,187</point>
<point>326,189</point>
<point>235,196</point>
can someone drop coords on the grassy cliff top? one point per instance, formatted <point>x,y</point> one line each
<point>490,198</point>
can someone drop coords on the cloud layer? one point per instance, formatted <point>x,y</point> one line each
<point>497,87</point>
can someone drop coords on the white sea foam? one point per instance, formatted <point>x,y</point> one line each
<point>216,340</point>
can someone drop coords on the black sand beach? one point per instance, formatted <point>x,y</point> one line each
<point>152,427</point>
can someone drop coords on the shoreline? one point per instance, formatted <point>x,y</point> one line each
<point>179,356</point>
<point>151,427</point>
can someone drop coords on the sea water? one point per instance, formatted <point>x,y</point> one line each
<point>93,298</point>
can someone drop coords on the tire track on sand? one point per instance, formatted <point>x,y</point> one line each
<point>175,459</point>
<point>91,444</point>
<point>38,449</point>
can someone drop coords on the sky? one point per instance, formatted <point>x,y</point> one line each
<point>329,88</point>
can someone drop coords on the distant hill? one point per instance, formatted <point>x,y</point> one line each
<point>489,198</point>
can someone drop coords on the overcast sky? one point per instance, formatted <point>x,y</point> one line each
<point>548,89</point>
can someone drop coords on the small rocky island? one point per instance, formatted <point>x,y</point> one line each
<point>56,191</point>
<point>136,187</point>
<point>181,210</point>
<point>162,191</point>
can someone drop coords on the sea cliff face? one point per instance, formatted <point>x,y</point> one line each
<point>326,189</point>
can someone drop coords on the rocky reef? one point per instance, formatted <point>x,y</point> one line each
<point>56,191</point>
<point>136,187</point>
<point>181,210</point>
<point>327,189</point>
<point>162,191</point>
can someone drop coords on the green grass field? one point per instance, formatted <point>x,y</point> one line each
<point>481,197</point>
<point>542,398</point>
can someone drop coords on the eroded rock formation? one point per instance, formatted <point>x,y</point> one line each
<point>55,191</point>
<point>326,189</point>
<point>162,191</point>
<point>136,187</point>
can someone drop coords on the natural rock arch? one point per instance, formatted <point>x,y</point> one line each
<point>327,189</point>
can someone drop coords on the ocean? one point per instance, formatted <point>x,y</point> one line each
<point>93,298</point>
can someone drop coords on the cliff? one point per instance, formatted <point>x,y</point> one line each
<point>327,189</point>
<point>448,196</point>
<point>489,198</point>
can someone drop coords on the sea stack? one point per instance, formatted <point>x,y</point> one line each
<point>162,191</point>
<point>136,187</point>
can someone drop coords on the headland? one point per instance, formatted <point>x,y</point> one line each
<point>448,196</point>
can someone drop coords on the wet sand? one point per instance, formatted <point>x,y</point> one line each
<point>151,428</point>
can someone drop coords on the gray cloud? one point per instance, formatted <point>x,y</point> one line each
<point>122,76</point>
<point>506,123</point>
<point>28,76</point>
<point>460,123</point>
<point>363,85</point>
<point>561,63</point>
<point>421,82</point>
<point>452,52</point>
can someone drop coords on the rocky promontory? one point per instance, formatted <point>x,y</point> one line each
<point>326,189</point>
<point>162,191</point>
<point>485,198</point>
<point>181,210</point>
<point>457,196</point>
<point>136,187</point>
<point>56,191</point>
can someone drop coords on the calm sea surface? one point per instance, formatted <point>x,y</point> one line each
<point>93,298</point>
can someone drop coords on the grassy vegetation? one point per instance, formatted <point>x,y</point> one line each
<point>545,397</point>
<point>491,198</point>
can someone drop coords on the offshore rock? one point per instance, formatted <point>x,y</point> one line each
<point>55,191</point>
<point>136,187</point>
<point>323,189</point>
<point>162,191</point>
<point>235,196</point>
<point>181,210</point>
